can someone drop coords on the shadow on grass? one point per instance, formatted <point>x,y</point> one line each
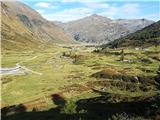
<point>58,100</point>
<point>97,108</point>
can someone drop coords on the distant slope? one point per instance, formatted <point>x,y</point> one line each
<point>99,29</point>
<point>23,28</point>
<point>148,36</point>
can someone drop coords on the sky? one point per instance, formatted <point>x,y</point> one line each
<point>69,10</point>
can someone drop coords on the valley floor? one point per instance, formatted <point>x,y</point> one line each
<point>78,79</point>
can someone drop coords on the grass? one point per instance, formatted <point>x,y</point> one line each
<point>29,87</point>
<point>60,75</point>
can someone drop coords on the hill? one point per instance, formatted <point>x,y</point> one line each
<point>99,29</point>
<point>24,28</point>
<point>148,36</point>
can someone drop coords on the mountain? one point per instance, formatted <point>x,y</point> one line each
<point>99,29</point>
<point>148,36</point>
<point>23,28</point>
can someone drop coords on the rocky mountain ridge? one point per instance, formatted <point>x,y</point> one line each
<point>99,29</point>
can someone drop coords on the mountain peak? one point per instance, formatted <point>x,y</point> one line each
<point>95,15</point>
<point>99,29</point>
<point>99,17</point>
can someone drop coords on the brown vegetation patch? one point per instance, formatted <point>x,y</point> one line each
<point>74,88</point>
<point>125,75</point>
<point>6,79</point>
<point>120,85</point>
<point>76,76</point>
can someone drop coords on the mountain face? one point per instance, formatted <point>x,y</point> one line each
<point>98,29</point>
<point>27,28</point>
<point>148,36</point>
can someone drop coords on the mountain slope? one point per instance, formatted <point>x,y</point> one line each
<point>148,36</point>
<point>27,28</point>
<point>98,29</point>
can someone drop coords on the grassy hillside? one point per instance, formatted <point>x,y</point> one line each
<point>24,28</point>
<point>13,40</point>
<point>146,37</point>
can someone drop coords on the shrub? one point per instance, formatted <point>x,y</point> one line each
<point>69,108</point>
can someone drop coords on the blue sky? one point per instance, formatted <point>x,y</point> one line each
<point>68,10</point>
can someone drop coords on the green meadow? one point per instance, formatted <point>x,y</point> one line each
<point>79,73</point>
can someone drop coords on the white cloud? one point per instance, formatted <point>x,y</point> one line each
<point>91,8</point>
<point>83,1</point>
<point>128,11</point>
<point>95,1</point>
<point>69,14</point>
<point>41,11</point>
<point>114,11</point>
<point>64,18</point>
<point>154,17</point>
<point>130,8</point>
<point>43,4</point>
<point>125,10</point>
<point>97,5</point>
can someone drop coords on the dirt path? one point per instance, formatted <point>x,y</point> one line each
<point>19,69</point>
<point>28,70</point>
